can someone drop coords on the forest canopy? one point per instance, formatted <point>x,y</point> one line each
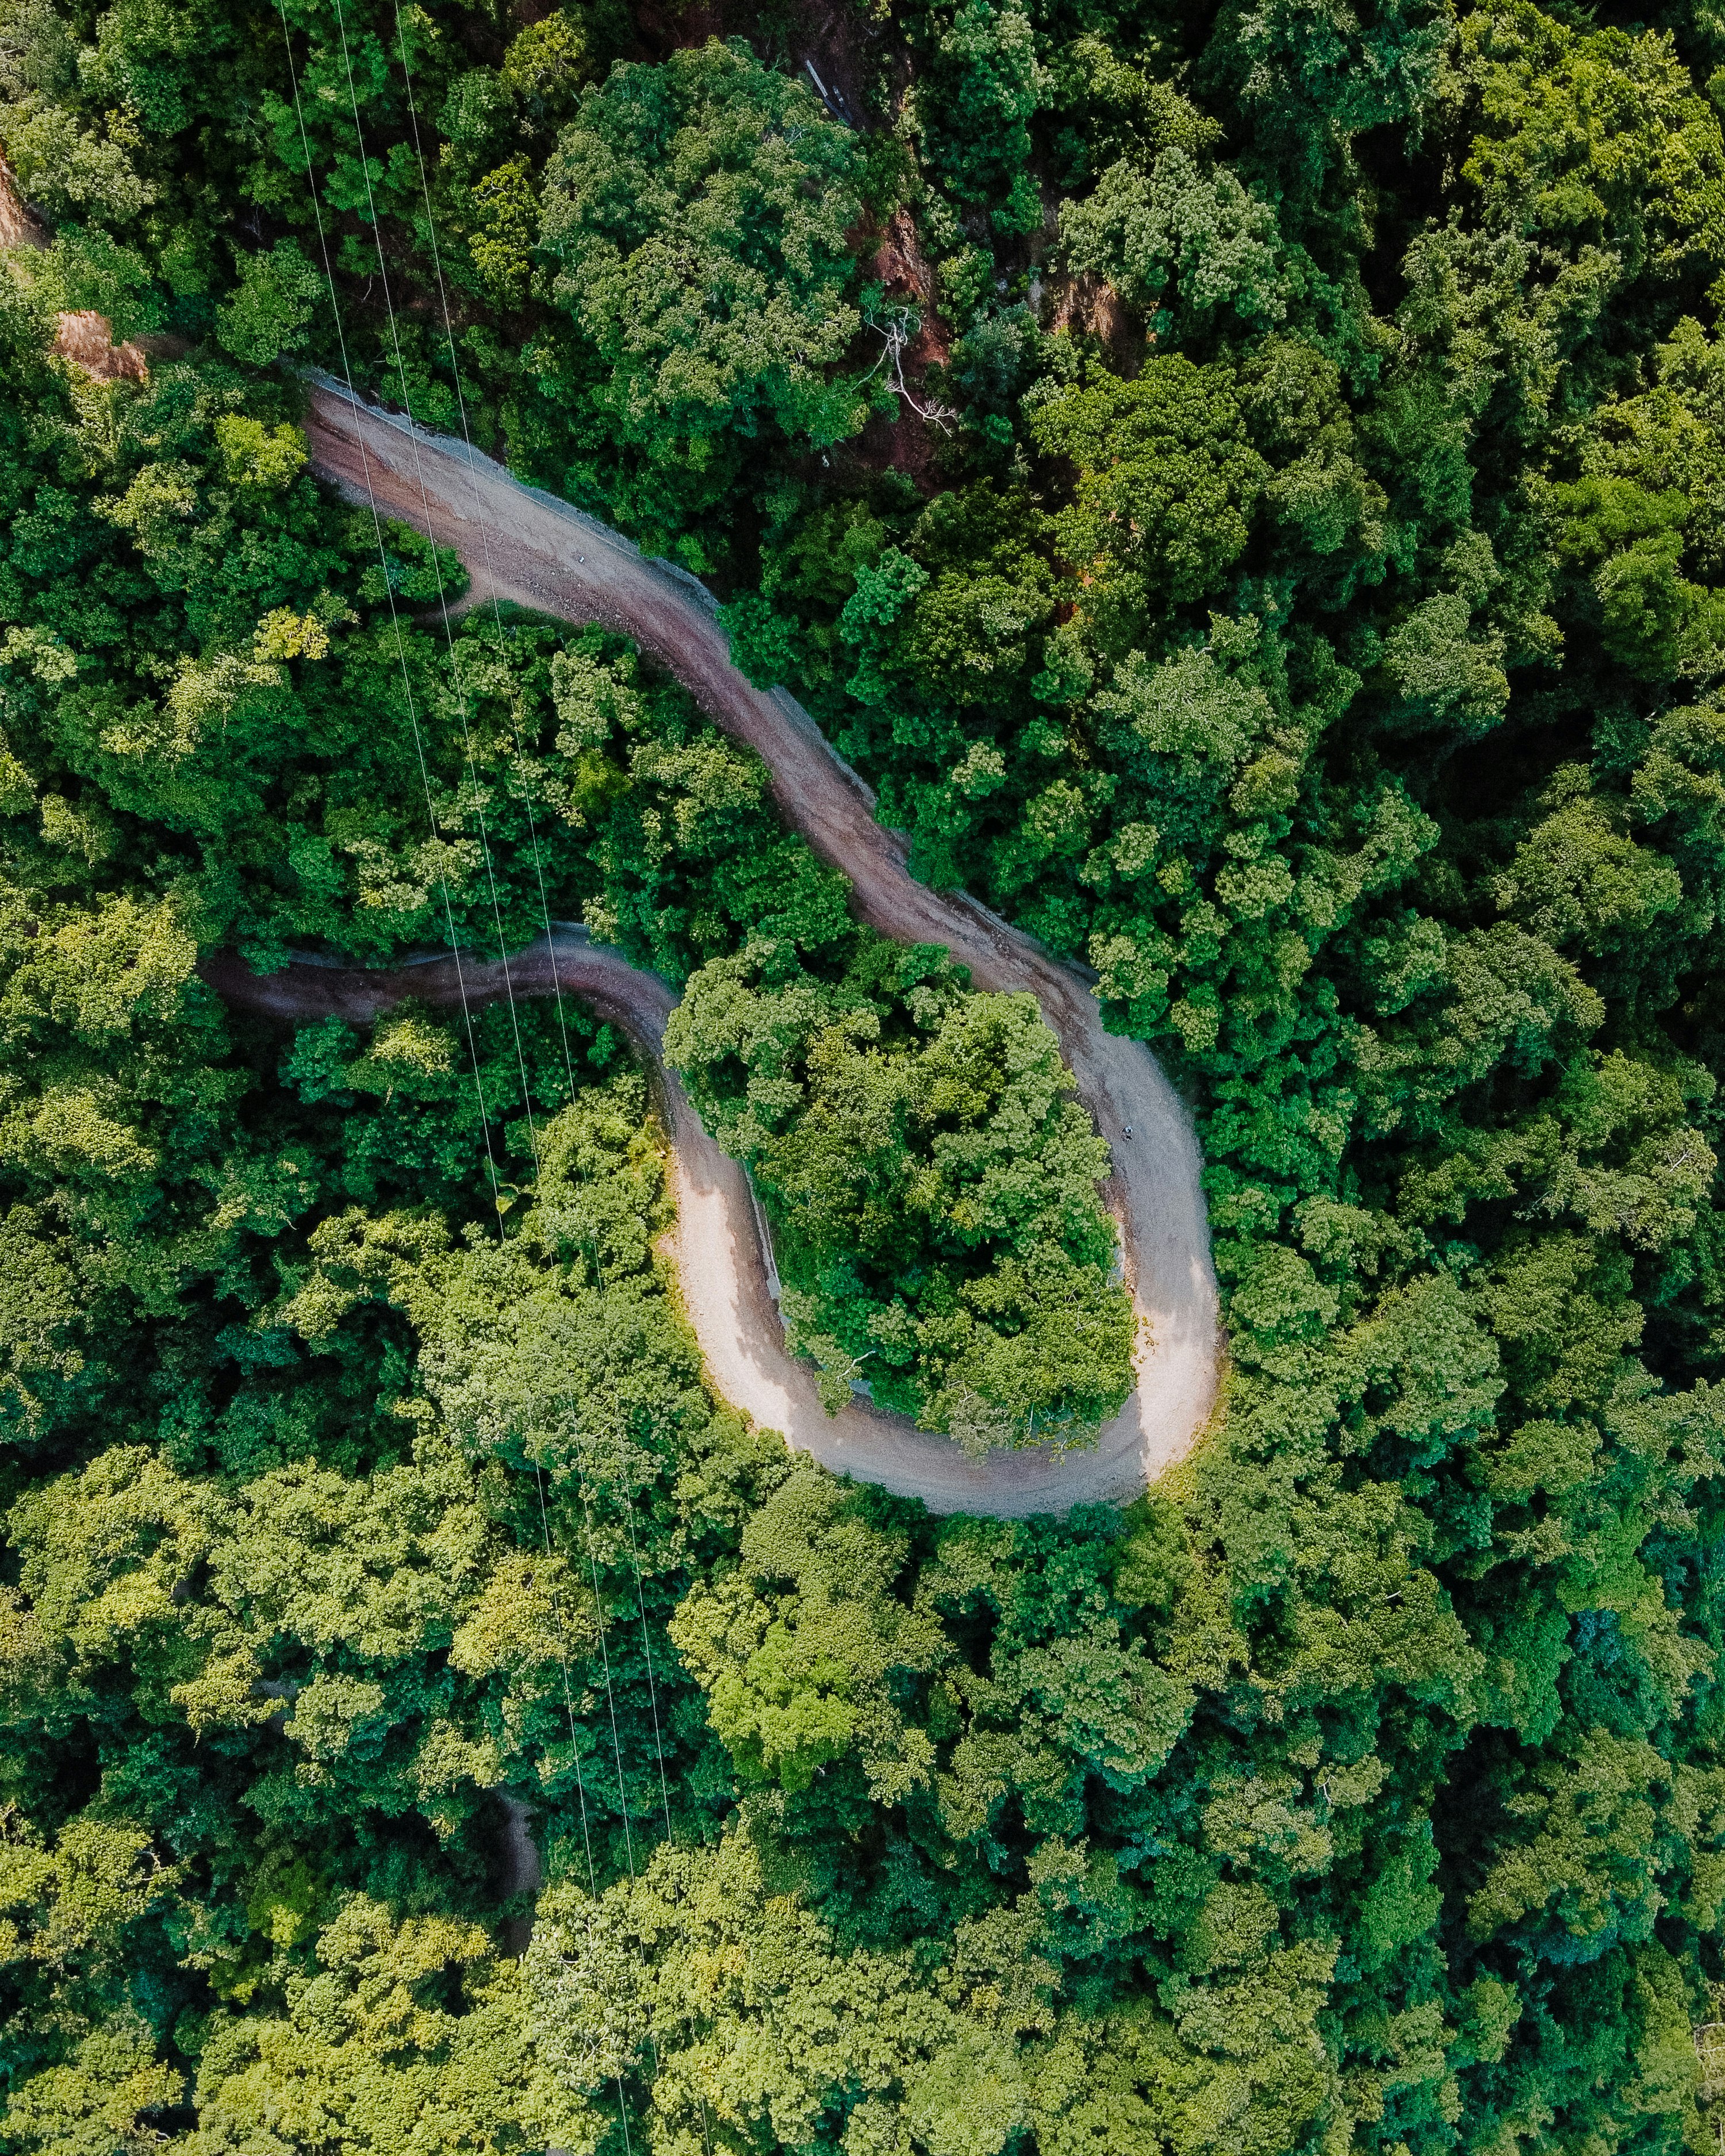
<point>1242,483</point>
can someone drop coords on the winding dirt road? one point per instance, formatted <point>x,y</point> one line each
<point>523,546</point>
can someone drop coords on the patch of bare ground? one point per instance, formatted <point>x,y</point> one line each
<point>86,338</point>
<point>908,443</point>
<point>899,264</point>
<point>17,227</point>
<point>667,26</point>
<point>831,39</point>
<point>1085,304</point>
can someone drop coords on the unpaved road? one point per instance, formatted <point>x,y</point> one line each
<point>520,545</point>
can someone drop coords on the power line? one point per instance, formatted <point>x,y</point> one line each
<point>394,617</point>
<point>347,375</point>
<point>509,985</point>
<point>562,1021</point>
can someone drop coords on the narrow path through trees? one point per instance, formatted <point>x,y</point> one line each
<point>522,546</point>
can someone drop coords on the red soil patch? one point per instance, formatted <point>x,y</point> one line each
<point>908,443</point>
<point>86,338</point>
<point>1085,304</point>
<point>18,228</point>
<point>902,267</point>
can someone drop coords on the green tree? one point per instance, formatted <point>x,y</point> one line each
<point>696,214</point>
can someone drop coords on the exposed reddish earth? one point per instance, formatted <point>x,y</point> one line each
<point>87,340</point>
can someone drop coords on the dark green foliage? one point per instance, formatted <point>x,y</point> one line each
<point>695,216</point>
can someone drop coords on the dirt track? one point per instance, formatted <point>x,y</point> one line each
<point>523,546</point>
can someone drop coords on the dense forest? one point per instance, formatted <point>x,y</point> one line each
<point>1246,485</point>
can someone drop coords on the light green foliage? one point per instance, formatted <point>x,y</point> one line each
<point>932,1184</point>
<point>800,1678</point>
<point>696,213</point>
<point>104,2095</point>
<point>76,172</point>
<point>507,229</point>
<point>838,1627</point>
<point>799,2025</point>
<point>407,2037</point>
<point>1166,479</point>
<point>1592,132</point>
<point>269,314</point>
<point>546,66</point>
<point>1174,225</point>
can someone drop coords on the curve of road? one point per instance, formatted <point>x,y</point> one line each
<point>520,545</point>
